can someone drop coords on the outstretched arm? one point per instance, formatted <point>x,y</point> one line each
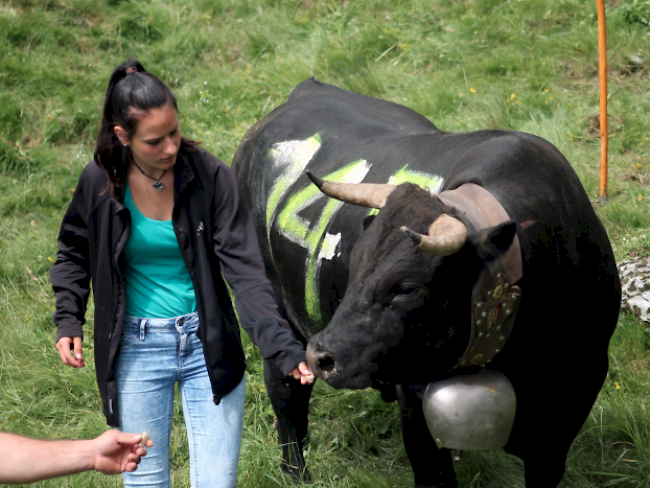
<point>25,460</point>
<point>236,246</point>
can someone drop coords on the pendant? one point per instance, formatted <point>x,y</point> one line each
<point>158,186</point>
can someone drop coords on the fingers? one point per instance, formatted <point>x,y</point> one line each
<point>65,346</point>
<point>124,438</point>
<point>303,374</point>
<point>304,369</point>
<point>134,460</point>
<point>136,443</point>
<point>307,377</point>
<point>136,456</point>
<point>78,353</point>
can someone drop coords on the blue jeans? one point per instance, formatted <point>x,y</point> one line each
<point>155,354</point>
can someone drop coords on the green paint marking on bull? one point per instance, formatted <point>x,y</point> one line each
<point>427,181</point>
<point>315,239</point>
<point>293,157</point>
<point>292,225</point>
<point>353,173</point>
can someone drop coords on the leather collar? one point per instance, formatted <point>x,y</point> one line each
<point>495,295</point>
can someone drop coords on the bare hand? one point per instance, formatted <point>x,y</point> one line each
<point>116,452</point>
<point>303,374</point>
<point>70,351</point>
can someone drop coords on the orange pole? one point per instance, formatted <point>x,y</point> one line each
<point>602,63</point>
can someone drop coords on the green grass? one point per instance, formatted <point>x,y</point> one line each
<point>472,64</point>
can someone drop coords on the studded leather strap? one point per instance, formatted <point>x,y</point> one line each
<point>495,296</point>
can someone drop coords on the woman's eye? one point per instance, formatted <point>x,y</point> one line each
<point>153,143</point>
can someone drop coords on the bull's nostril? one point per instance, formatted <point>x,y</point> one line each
<point>321,362</point>
<point>326,363</point>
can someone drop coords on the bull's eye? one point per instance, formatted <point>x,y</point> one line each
<point>408,289</point>
<point>404,294</point>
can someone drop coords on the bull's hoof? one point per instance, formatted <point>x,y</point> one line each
<point>298,475</point>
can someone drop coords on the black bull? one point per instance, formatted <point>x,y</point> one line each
<point>397,317</point>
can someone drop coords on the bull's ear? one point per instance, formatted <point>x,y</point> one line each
<point>367,221</point>
<point>493,242</point>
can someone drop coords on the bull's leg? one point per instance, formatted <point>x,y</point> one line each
<point>290,401</point>
<point>432,467</point>
<point>543,472</point>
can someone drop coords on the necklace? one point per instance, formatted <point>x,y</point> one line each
<point>158,185</point>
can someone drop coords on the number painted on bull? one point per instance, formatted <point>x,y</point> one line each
<point>293,157</point>
<point>318,242</point>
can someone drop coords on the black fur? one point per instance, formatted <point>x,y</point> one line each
<point>398,318</point>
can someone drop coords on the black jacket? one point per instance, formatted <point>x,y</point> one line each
<point>217,240</point>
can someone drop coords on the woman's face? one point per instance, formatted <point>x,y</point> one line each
<point>156,140</point>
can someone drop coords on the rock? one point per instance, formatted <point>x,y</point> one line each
<point>635,284</point>
<point>635,59</point>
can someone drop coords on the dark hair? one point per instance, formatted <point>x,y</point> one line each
<point>131,93</point>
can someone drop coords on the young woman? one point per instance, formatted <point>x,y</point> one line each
<point>160,228</point>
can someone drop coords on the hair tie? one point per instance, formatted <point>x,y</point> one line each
<point>130,70</point>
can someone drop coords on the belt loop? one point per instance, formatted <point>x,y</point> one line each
<point>143,322</point>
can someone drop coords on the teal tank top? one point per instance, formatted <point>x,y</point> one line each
<point>157,282</point>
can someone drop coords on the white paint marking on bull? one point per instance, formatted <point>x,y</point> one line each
<point>328,250</point>
<point>292,157</point>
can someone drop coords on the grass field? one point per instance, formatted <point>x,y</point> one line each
<point>528,65</point>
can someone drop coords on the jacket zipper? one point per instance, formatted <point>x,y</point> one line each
<point>198,234</point>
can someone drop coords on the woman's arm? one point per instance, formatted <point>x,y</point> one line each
<point>236,246</point>
<point>25,460</point>
<point>70,275</point>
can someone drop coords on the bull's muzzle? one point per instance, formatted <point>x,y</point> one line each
<point>322,363</point>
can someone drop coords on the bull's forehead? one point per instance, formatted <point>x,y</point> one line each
<point>408,205</point>
<point>386,252</point>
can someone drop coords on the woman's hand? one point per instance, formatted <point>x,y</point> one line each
<point>303,374</point>
<point>70,351</point>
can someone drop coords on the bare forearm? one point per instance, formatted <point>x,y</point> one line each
<point>25,460</point>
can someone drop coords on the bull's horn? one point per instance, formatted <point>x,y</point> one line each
<point>362,194</point>
<point>446,236</point>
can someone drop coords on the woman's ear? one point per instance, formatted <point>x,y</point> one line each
<point>121,135</point>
